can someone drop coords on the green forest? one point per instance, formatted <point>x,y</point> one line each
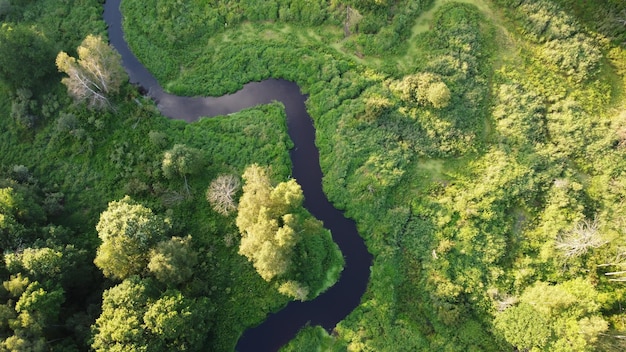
<point>479,145</point>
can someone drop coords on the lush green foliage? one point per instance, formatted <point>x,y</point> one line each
<point>128,231</point>
<point>282,240</point>
<point>313,338</point>
<point>562,317</point>
<point>13,70</point>
<point>136,318</point>
<point>479,146</point>
<point>80,160</point>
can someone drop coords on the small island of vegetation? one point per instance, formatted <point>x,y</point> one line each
<point>479,145</point>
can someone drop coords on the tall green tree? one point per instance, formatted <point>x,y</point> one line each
<point>39,263</point>
<point>128,230</point>
<point>95,75</point>
<point>181,161</point>
<point>266,222</point>
<point>173,261</point>
<point>120,325</point>
<point>281,239</point>
<point>21,216</point>
<point>562,317</point>
<point>424,88</point>
<point>28,313</point>
<point>27,56</point>
<point>178,323</point>
<point>136,317</point>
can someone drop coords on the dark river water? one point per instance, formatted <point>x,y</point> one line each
<point>337,302</point>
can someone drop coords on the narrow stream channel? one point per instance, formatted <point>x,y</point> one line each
<point>337,302</point>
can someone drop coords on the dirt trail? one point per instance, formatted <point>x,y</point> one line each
<point>422,24</point>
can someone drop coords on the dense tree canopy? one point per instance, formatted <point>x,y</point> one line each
<point>425,89</point>
<point>173,261</point>
<point>120,325</point>
<point>281,239</point>
<point>267,222</point>
<point>561,317</point>
<point>478,145</point>
<point>128,230</point>
<point>136,317</point>
<point>28,55</point>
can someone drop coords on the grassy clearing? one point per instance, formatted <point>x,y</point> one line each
<point>424,23</point>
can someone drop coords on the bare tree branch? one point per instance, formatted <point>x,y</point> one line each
<point>580,240</point>
<point>221,193</point>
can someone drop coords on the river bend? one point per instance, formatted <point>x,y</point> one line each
<point>337,302</point>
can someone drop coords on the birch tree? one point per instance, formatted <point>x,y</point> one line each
<point>584,237</point>
<point>95,75</point>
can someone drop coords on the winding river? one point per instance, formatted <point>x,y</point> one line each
<point>337,302</point>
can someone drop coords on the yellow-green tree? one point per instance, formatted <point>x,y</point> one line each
<point>561,317</point>
<point>172,261</point>
<point>137,317</point>
<point>424,88</point>
<point>282,240</point>
<point>266,221</point>
<point>128,231</point>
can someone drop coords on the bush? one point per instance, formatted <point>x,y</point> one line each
<point>577,57</point>
<point>23,109</point>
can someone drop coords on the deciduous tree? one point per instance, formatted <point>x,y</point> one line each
<point>181,161</point>
<point>425,88</point>
<point>561,317</point>
<point>266,222</point>
<point>120,325</point>
<point>96,75</point>
<point>27,56</point>
<point>128,231</point>
<point>136,317</point>
<point>281,239</point>
<point>172,261</point>
<point>40,263</point>
<point>178,323</point>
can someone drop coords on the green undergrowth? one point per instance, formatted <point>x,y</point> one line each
<point>218,49</point>
<point>313,339</point>
<point>473,231</point>
<point>105,156</point>
<point>473,142</point>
